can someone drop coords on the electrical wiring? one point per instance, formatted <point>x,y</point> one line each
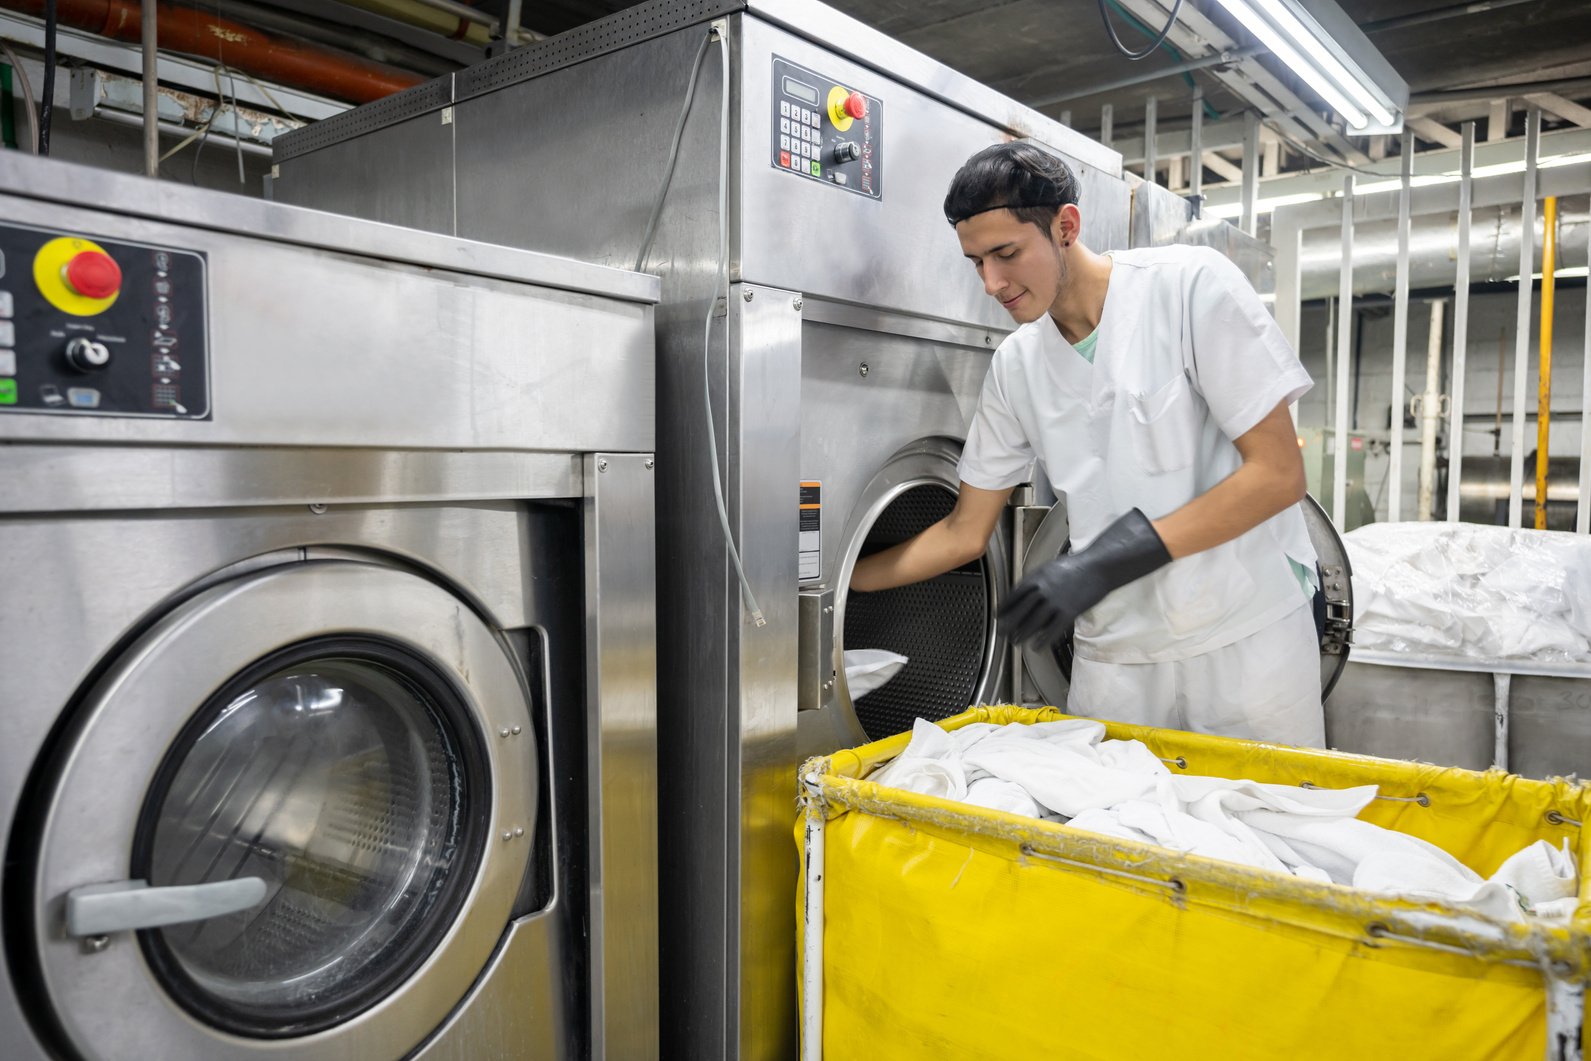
<point>1110,31</point>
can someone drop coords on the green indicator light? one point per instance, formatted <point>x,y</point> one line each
<point>8,392</point>
<point>817,170</point>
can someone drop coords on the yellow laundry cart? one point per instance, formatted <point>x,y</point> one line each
<point>934,929</point>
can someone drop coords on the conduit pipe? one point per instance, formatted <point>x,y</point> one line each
<point>451,20</point>
<point>1549,252</point>
<point>1430,402</point>
<point>149,30</point>
<point>185,29</point>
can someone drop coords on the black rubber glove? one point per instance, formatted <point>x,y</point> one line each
<point>1044,606</point>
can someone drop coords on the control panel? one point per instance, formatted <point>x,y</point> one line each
<point>825,131</point>
<point>99,327</point>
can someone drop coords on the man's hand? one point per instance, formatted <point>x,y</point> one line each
<point>1044,606</point>
<point>959,538</point>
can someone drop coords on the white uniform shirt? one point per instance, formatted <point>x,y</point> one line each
<point>1187,360</point>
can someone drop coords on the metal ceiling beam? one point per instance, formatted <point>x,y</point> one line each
<point>1568,110</point>
<point>1434,131</point>
<point>1196,36</point>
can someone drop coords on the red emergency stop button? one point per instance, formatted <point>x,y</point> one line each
<point>856,105</point>
<point>93,274</point>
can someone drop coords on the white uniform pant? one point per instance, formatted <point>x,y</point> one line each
<point>1264,687</point>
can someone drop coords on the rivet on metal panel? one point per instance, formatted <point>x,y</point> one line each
<point>828,685</point>
<point>515,731</point>
<point>748,294</point>
<point>503,733</point>
<point>519,830</point>
<point>828,609</point>
<point>650,464</point>
<point>988,340</point>
<point>318,508</point>
<point>796,303</point>
<point>507,836</point>
<point>602,464</point>
<point>95,944</point>
<point>862,369</point>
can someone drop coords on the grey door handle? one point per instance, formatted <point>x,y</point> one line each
<point>121,906</point>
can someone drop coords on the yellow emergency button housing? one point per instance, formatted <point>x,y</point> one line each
<point>76,276</point>
<point>845,107</point>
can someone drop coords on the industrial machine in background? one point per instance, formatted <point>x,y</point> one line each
<point>327,724</point>
<point>821,347</point>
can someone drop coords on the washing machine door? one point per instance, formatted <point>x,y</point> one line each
<point>292,822</point>
<point>944,626</point>
<point>1048,670</point>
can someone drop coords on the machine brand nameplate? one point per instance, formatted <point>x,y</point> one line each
<point>815,136</point>
<point>101,327</point>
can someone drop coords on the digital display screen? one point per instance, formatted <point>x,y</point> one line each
<point>801,91</point>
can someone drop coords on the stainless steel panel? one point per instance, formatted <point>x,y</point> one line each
<point>515,1003</point>
<point>1442,717</point>
<point>509,366</point>
<point>621,693</point>
<point>840,33</point>
<point>815,640</point>
<point>354,180</point>
<point>762,427</point>
<point>818,240</point>
<point>71,186</point>
<point>1446,717</point>
<point>71,478</point>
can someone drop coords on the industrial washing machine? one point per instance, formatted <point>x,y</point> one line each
<point>821,345</point>
<point>327,726</point>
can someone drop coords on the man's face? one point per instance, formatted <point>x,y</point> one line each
<point>1020,264</point>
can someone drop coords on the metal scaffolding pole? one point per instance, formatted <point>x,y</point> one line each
<point>1527,269</point>
<point>1455,428</point>
<point>1400,336</point>
<point>1339,478</point>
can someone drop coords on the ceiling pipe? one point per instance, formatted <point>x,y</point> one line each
<point>445,17</point>
<point>1494,250</point>
<point>185,29</point>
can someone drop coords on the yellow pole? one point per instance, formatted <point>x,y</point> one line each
<point>1549,251</point>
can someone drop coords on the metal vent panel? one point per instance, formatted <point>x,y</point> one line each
<point>627,27</point>
<point>398,107</point>
<point>941,626</point>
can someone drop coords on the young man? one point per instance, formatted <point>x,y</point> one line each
<point>1153,388</point>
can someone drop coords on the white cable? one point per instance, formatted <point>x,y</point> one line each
<point>27,98</point>
<point>722,274</point>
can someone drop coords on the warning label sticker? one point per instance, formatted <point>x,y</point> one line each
<point>810,556</point>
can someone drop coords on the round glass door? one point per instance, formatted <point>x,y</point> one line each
<point>343,774</point>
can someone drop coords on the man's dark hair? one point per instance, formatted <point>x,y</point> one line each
<point>1029,181</point>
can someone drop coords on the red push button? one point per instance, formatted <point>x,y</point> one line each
<point>856,105</point>
<point>93,274</point>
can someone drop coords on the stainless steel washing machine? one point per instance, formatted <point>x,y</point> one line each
<point>843,356</point>
<point>327,719</point>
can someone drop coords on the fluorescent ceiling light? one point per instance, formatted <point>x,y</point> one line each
<point>1573,270</point>
<point>1329,63</point>
<point>1311,74</point>
<point>1264,206</point>
<point>1326,49</point>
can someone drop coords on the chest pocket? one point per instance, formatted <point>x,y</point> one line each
<point>1164,425</point>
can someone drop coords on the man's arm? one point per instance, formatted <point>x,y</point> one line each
<point>1271,479</point>
<point>957,539</point>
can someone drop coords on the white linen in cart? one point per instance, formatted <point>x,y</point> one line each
<point>1070,773</point>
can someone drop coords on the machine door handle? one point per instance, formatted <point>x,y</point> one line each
<point>121,906</point>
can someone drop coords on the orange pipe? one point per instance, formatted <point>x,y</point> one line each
<point>1549,256</point>
<point>184,29</point>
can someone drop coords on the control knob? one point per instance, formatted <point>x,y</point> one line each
<point>86,355</point>
<point>847,151</point>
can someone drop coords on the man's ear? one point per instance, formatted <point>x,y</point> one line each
<point>1068,224</point>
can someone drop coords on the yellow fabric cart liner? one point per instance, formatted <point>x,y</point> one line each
<point>941,930</point>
